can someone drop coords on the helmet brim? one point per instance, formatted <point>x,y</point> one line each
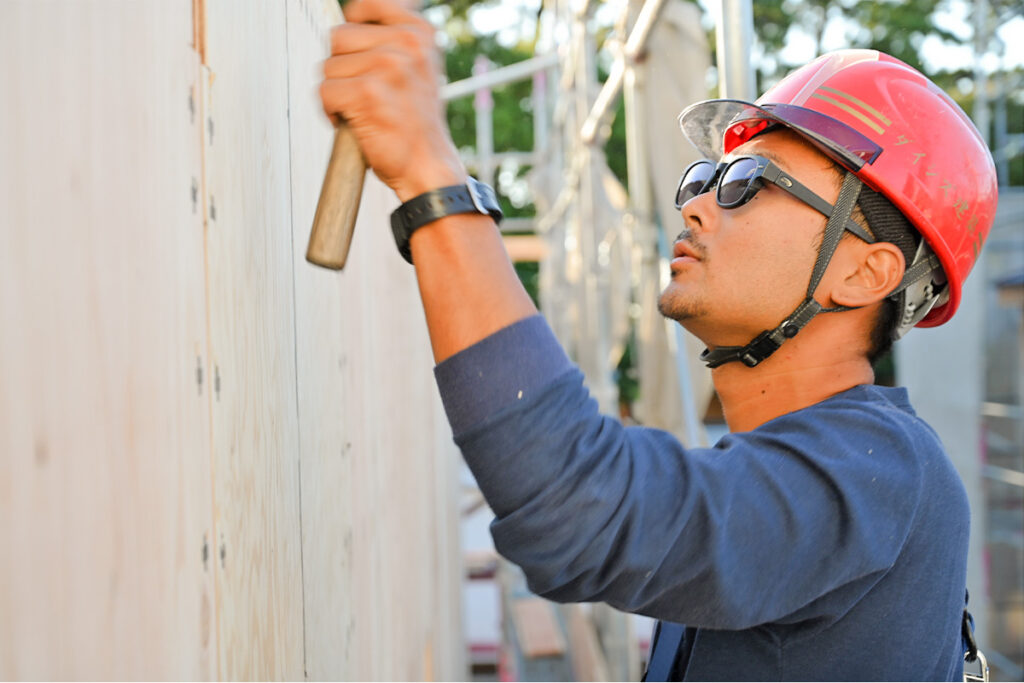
<point>716,127</point>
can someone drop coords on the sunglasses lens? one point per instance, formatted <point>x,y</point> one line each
<point>693,181</point>
<point>734,182</point>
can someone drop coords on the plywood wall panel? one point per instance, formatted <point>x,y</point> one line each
<point>252,342</point>
<point>104,442</point>
<point>377,455</point>
<point>216,460</point>
<point>331,424</point>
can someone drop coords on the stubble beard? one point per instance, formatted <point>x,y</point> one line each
<point>674,305</point>
<point>675,302</point>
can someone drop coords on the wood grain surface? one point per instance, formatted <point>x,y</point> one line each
<point>104,434</point>
<point>216,461</point>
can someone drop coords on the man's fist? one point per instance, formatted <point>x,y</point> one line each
<point>383,78</point>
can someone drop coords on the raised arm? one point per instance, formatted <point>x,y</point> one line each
<point>382,78</point>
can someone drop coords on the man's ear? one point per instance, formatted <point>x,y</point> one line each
<point>871,272</point>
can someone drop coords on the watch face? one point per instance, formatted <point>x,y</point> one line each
<point>476,190</point>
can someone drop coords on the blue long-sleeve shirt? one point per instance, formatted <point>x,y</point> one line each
<point>827,544</point>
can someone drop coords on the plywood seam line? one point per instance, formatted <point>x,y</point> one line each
<point>199,29</point>
<point>205,80</point>
<point>295,333</point>
<point>201,90</point>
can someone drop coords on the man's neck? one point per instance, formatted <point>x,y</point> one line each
<point>752,396</point>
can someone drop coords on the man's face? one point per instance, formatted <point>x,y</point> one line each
<point>740,271</point>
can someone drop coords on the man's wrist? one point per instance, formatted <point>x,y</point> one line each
<point>427,178</point>
<point>433,205</point>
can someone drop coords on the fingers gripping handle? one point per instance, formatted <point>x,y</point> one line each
<point>336,211</point>
<point>338,207</point>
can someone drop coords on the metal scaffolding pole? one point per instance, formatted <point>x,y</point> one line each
<point>734,35</point>
<point>981,113</point>
<point>484,106</point>
<point>641,198</point>
<point>635,45</point>
<point>592,333</point>
<point>506,74</point>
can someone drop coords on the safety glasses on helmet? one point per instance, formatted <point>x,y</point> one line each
<point>716,127</point>
<point>739,179</point>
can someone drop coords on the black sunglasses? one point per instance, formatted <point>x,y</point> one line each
<point>739,179</point>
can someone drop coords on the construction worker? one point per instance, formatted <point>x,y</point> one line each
<point>826,536</point>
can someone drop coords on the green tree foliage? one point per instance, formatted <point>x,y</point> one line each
<point>896,27</point>
<point>512,115</point>
<point>513,118</point>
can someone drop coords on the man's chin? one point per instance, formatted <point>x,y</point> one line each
<point>675,307</point>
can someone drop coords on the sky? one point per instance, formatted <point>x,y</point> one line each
<point>512,18</point>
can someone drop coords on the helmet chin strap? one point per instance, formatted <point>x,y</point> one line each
<point>769,341</point>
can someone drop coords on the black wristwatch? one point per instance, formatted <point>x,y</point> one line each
<point>473,197</point>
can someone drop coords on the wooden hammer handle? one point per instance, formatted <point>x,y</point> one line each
<point>338,207</point>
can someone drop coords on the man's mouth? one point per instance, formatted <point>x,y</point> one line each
<point>685,251</point>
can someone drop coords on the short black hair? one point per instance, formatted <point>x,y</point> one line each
<point>883,334</point>
<point>883,221</point>
<point>887,224</point>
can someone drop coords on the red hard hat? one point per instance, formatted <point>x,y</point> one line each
<point>892,127</point>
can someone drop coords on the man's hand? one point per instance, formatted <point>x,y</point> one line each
<point>382,78</point>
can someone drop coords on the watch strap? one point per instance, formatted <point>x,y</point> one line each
<point>472,197</point>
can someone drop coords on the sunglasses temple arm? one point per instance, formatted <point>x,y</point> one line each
<point>801,192</point>
<point>859,231</point>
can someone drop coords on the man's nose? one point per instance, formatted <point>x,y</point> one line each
<point>700,212</point>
